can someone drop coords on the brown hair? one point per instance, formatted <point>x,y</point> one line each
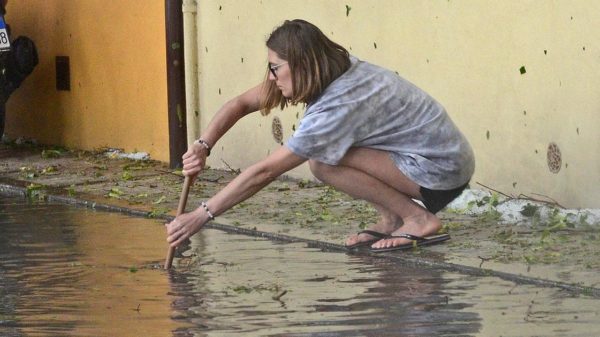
<point>314,60</point>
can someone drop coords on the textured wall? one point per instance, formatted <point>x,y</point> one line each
<point>518,77</point>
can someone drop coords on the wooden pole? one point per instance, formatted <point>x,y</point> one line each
<point>180,209</point>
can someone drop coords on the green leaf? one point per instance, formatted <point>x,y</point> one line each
<point>115,193</point>
<point>529,210</point>
<point>50,170</point>
<point>522,70</point>
<point>242,289</point>
<point>494,200</point>
<point>160,200</point>
<point>158,212</point>
<point>126,176</point>
<point>71,191</point>
<point>46,154</point>
<point>35,191</point>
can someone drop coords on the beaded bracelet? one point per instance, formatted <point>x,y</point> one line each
<point>203,143</point>
<point>210,215</point>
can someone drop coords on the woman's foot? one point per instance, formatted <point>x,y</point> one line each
<point>421,225</point>
<point>387,224</point>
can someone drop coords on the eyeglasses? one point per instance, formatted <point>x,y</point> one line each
<point>273,68</point>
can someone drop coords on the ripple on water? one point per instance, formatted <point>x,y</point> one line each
<point>75,272</point>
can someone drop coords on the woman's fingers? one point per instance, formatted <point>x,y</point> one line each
<point>191,173</point>
<point>192,165</point>
<point>176,232</point>
<point>191,162</point>
<point>182,228</point>
<point>172,228</point>
<point>176,241</point>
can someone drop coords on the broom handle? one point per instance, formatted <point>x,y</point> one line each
<point>180,210</point>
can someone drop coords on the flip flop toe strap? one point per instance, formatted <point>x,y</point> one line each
<point>407,236</point>
<point>375,234</point>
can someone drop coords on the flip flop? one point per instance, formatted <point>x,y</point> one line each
<point>417,241</point>
<point>378,236</point>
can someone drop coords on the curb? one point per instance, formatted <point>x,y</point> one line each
<point>10,190</point>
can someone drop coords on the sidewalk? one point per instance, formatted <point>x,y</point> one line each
<point>555,254</point>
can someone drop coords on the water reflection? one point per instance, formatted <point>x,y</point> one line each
<point>66,271</point>
<point>231,287</point>
<point>71,272</point>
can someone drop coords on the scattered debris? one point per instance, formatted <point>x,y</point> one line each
<point>280,295</point>
<point>230,169</point>
<point>522,209</point>
<point>118,153</point>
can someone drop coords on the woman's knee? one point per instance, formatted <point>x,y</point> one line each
<point>320,170</point>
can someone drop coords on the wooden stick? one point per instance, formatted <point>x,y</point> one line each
<point>180,209</point>
<point>493,190</point>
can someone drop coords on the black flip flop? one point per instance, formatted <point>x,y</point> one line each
<point>378,236</point>
<point>417,241</point>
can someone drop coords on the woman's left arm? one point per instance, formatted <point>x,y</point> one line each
<point>249,182</point>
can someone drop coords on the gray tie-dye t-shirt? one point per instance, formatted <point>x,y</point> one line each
<point>369,106</point>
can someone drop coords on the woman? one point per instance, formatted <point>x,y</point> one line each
<point>366,132</point>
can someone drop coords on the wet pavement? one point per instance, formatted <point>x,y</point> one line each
<point>562,257</point>
<point>74,271</point>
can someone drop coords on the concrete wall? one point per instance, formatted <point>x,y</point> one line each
<point>515,76</point>
<point>118,94</point>
<point>468,54</point>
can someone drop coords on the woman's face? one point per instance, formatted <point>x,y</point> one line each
<point>280,73</point>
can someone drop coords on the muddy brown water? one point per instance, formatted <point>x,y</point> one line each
<point>67,271</point>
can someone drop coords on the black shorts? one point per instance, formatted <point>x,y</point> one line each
<point>436,200</point>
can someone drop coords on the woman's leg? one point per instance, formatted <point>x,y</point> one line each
<point>372,175</point>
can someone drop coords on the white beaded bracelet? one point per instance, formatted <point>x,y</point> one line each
<point>205,144</point>
<point>210,216</point>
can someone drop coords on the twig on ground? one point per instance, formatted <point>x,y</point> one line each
<point>552,203</point>
<point>547,197</point>
<point>491,189</point>
<point>230,169</point>
<point>483,259</point>
<point>526,197</point>
<point>280,295</point>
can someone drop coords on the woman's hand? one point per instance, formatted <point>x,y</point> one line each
<point>194,160</point>
<point>184,226</point>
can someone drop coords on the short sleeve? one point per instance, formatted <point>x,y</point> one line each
<point>324,135</point>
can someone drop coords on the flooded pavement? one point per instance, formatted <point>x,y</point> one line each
<point>557,251</point>
<point>554,252</point>
<point>67,271</point>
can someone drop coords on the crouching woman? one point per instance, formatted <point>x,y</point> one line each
<point>366,131</point>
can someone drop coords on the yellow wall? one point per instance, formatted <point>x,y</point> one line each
<point>118,94</point>
<point>467,54</point>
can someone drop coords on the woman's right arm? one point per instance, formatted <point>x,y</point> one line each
<point>194,159</point>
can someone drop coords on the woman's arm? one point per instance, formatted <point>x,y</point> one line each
<point>195,157</point>
<point>250,181</point>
